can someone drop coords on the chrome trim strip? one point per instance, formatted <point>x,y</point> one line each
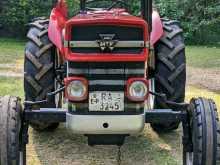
<point>66,43</point>
<point>107,71</point>
<point>106,82</point>
<point>134,71</point>
<point>68,69</point>
<point>132,44</point>
<point>83,44</point>
<point>78,71</point>
<point>94,44</point>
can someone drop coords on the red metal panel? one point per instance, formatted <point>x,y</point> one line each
<point>105,57</point>
<point>57,22</point>
<point>106,18</point>
<point>157,28</point>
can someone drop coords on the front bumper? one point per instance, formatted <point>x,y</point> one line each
<point>95,124</point>
<point>105,124</point>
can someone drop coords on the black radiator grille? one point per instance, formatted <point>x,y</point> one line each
<point>108,77</point>
<point>92,33</point>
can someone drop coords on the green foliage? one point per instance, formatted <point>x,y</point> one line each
<point>11,50</point>
<point>17,13</point>
<point>200,18</point>
<point>73,7</point>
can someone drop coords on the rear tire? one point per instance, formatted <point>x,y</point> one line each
<point>205,130</point>
<point>10,121</point>
<point>39,78</point>
<point>170,70</point>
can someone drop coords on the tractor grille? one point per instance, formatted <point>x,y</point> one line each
<point>108,77</point>
<point>92,33</point>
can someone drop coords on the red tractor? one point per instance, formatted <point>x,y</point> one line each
<point>114,72</point>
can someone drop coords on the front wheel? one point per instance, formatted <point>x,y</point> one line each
<point>10,126</point>
<point>205,131</point>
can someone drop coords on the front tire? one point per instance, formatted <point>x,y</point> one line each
<point>170,70</point>
<point>39,68</point>
<point>205,131</point>
<point>10,126</point>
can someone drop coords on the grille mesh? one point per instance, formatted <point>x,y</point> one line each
<point>92,33</point>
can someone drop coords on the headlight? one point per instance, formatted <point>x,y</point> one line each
<point>137,89</point>
<point>76,89</point>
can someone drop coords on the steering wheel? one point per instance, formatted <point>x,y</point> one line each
<point>114,3</point>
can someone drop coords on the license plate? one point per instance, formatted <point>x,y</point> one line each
<point>106,101</point>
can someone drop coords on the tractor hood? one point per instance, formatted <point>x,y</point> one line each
<point>109,30</point>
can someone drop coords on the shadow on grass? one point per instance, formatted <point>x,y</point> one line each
<point>174,140</point>
<point>64,148</point>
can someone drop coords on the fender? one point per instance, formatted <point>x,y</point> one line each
<point>157,28</point>
<point>57,22</point>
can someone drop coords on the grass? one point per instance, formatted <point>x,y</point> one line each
<point>11,50</point>
<point>11,86</point>
<point>203,57</point>
<point>63,147</point>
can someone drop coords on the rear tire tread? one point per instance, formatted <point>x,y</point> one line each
<point>39,69</point>
<point>35,57</point>
<point>168,60</point>
<point>170,73</point>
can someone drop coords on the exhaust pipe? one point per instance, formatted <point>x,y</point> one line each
<point>146,12</point>
<point>82,5</point>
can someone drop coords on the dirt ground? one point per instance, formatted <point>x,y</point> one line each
<point>205,78</point>
<point>147,148</point>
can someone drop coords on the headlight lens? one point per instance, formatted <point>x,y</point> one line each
<point>138,90</point>
<point>76,89</point>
